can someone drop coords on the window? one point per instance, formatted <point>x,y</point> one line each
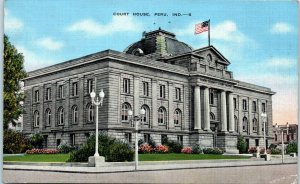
<point>128,137</point>
<point>236,123</point>
<point>126,85</point>
<point>48,94</point>
<point>60,91</point>
<point>90,85</point>
<point>125,108</point>
<point>244,104</point>
<point>60,116</point>
<point>164,139</point>
<point>263,106</point>
<point>145,88</point>
<point>162,115</point>
<point>146,118</point>
<point>90,109</point>
<point>254,106</point>
<point>178,94</point>
<point>75,114</point>
<point>177,117</point>
<point>57,142</point>
<point>234,103</point>
<point>45,137</point>
<point>146,138</point>
<point>162,90</point>
<point>74,89</point>
<point>48,117</point>
<point>36,96</point>
<point>254,125</point>
<point>72,139</point>
<point>245,124</point>
<point>256,142</point>
<point>36,119</point>
<point>211,98</point>
<point>180,139</point>
<point>212,116</point>
<point>275,137</point>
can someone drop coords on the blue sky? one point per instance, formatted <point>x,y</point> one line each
<point>259,38</point>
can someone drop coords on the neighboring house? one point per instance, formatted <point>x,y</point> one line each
<point>289,134</point>
<point>188,94</point>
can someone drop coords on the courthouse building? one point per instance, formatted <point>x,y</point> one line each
<point>189,96</point>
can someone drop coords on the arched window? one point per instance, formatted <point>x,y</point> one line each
<point>212,116</point>
<point>177,117</point>
<point>48,117</point>
<point>236,123</point>
<point>209,58</point>
<point>36,118</point>
<point>254,125</point>
<point>60,116</point>
<point>75,114</point>
<point>162,115</point>
<point>146,118</point>
<point>90,114</point>
<point>125,108</point>
<point>245,124</point>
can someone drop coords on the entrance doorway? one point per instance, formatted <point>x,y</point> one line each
<point>214,129</point>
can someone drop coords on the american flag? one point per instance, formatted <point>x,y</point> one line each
<point>202,27</point>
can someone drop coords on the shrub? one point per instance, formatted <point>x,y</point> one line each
<point>36,140</point>
<point>213,151</point>
<point>120,152</point>
<point>241,144</point>
<point>42,151</point>
<point>252,150</point>
<point>112,149</point>
<point>145,148</point>
<point>275,151</point>
<point>174,147</point>
<point>197,149</point>
<point>262,151</point>
<point>64,148</point>
<point>292,147</point>
<point>187,150</point>
<point>15,142</point>
<point>161,149</point>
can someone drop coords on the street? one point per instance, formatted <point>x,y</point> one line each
<point>273,174</point>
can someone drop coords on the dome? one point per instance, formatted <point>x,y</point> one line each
<point>158,43</point>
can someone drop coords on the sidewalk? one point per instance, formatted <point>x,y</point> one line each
<point>143,166</point>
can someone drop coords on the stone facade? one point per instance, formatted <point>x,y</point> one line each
<point>189,96</point>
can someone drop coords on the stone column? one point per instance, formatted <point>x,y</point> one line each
<point>53,109</point>
<point>197,108</point>
<point>136,96</point>
<point>41,110</point>
<point>223,111</point>
<point>67,103</point>
<point>171,109</point>
<point>230,112</point>
<point>81,101</point>
<point>250,121</point>
<point>259,119</point>
<point>154,104</point>
<point>206,110</point>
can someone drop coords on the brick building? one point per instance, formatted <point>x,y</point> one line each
<point>188,94</point>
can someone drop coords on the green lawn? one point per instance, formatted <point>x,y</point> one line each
<point>142,157</point>
<point>178,156</point>
<point>38,158</point>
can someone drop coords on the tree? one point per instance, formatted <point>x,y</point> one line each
<point>13,73</point>
<point>241,144</point>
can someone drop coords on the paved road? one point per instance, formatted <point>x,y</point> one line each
<point>273,174</point>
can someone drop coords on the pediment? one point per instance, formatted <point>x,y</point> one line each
<point>211,53</point>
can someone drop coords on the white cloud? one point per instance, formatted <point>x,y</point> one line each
<point>12,24</point>
<point>281,62</point>
<point>50,44</point>
<point>281,28</point>
<point>224,31</point>
<point>94,28</point>
<point>33,61</point>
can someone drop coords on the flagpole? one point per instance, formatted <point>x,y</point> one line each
<point>208,32</point>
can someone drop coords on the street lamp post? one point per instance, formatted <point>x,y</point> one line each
<point>136,120</point>
<point>282,141</point>
<point>96,101</point>
<point>264,118</point>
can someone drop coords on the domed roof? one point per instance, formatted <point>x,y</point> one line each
<point>158,43</point>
